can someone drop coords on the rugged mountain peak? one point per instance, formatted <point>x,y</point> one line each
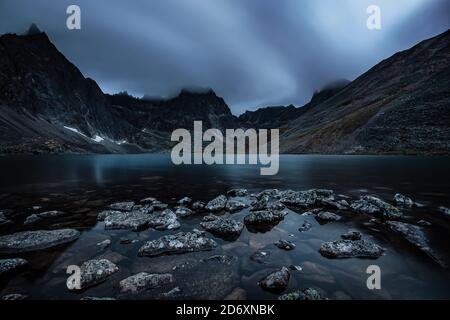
<point>328,91</point>
<point>33,30</point>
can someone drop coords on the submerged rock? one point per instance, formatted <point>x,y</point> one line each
<point>106,213</point>
<point>305,199</point>
<point>122,206</point>
<point>264,217</point>
<point>235,205</point>
<point>224,259</point>
<point>403,201</point>
<point>36,240</point>
<point>225,227</point>
<point>144,281</point>
<point>93,272</point>
<point>104,244</point>
<point>285,245</point>
<point>276,281</point>
<point>352,235</point>
<point>259,257</point>
<point>376,206</point>
<point>325,217</point>
<point>184,212</point>
<point>414,235</point>
<point>7,265</point>
<point>306,294</point>
<point>217,204</point>
<point>198,206</point>
<point>260,203</point>
<point>181,242</point>
<point>305,226</point>
<point>351,249</point>
<point>237,193</point>
<point>165,220</point>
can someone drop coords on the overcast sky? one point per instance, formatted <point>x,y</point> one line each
<point>251,52</point>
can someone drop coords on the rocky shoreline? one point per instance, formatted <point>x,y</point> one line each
<point>219,221</point>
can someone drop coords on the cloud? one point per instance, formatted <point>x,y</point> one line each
<point>251,52</point>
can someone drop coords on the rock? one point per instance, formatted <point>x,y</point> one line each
<point>351,249</point>
<point>181,242</point>
<point>148,200</point>
<point>445,211</point>
<point>225,227</point>
<point>35,218</point>
<point>306,294</point>
<point>185,201</point>
<point>259,257</point>
<point>237,294</point>
<point>414,235</point>
<point>277,206</point>
<point>264,217</point>
<point>272,193</point>
<point>183,212</point>
<point>137,220</point>
<point>14,297</point>
<point>338,205</point>
<point>106,213</point>
<point>144,281</point>
<point>352,235</point>
<point>159,206</point>
<point>325,217</point>
<point>424,223</point>
<point>175,292</point>
<point>276,281</point>
<point>403,201</point>
<point>32,219</point>
<point>7,265</point>
<point>165,220</point>
<point>285,245</point>
<point>376,206</point>
<point>217,204</point>
<point>260,203</point>
<point>305,226</point>
<point>122,206</point>
<point>198,206</point>
<point>104,244</point>
<point>146,208</point>
<point>235,205</point>
<point>295,268</point>
<point>125,241</point>
<point>305,199</point>
<point>36,240</point>
<point>237,193</point>
<point>93,272</point>
<point>128,220</point>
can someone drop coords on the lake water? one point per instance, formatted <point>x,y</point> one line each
<point>83,185</point>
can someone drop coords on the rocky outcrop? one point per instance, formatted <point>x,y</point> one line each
<point>36,240</point>
<point>351,249</point>
<point>375,206</point>
<point>217,204</point>
<point>227,228</point>
<point>264,217</point>
<point>144,281</point>
<point>178,243</point>
<point>94,272</point>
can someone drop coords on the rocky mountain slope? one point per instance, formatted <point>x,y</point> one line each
<point>400,105</point>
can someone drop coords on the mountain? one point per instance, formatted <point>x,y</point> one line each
<point>400,106</point>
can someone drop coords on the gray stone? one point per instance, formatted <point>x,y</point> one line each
<point>305,226</point>
<point>159,206</point>
<point>260,203</point>
<point>305,199</point>
<point>237,193</point>
<point>104,244</point>
<point>220,226</point>
<point>217,204</point>
<point>403,201</point>
<point>122,206</point>
<point>325,217</point>
<point>32,219</point>
<point>351,249</point>
<point>306,294</point>
<point>181,242</point>
<point>36,240</point>
<point>259,257</point>
<point>285,245</point>
<point>424,223</point>
<point>144,281</point>
<point>276,281</point>
<point>106,213</point>
<point>198,206</point>
<point>235,205</point>
<point>7,265</point>
<point>184,212</point>
<point>264,217</point>
<point>352,235</point>
<point>137,220</point>
<point>94,272</point>
<point>375,206</point>
<point>184,201</point>
<point>148,200</point>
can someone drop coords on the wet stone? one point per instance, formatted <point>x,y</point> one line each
<point>94,272</point>
<point>179,243</point>
<point>36,240</point>
<point>184,212</point>
<point>305,226</point>
<point>8,265</point>
<point>226,227</point>
<point>403,201</point>
<point>351,249</point>
<point>235,205</point>
<point>184,201</point>
<point>325,217</point>
<point>237,193</point>
<point>217,204</point>
<point>122,206</point>
<point>375,206</point>
<point>106,213</point>
<point>285,245</point>
<point>14,297</point>
<point>276,281</point>
<point>306,294</point>
<point>144,281</point>
<point>264,217</point>
<point>352,235</point>
<point>198,206</point>
<point>260,257</point>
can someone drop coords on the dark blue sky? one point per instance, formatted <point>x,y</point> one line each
<point>251,52</point>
